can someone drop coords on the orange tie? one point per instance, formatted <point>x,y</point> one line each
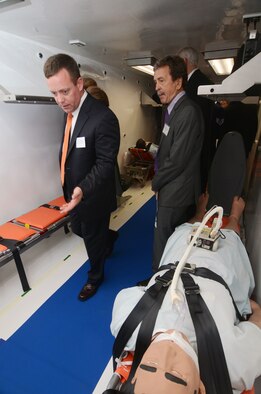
<point>66,139</point>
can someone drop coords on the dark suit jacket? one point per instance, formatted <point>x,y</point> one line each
<point>196,79</point>
<point>177,180</point>
<point>91,167</point>
<point>207,107</point>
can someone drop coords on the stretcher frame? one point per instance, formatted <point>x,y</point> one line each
<point>37,234</point>
<point>233,142</point>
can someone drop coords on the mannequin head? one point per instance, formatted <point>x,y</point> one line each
<point>169,365</point>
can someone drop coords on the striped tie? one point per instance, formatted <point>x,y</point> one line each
<point>66,139</point>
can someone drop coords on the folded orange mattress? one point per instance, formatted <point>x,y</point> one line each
<point>40,218</point>
<point>13,231</point>
<point>3,248</point>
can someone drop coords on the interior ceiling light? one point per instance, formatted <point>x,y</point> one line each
<point>5,3</point>
<point>220,55</point>
<point>78,43</point>
<point>222,66</point>
<point>143,62</point>
<point>145,69</point>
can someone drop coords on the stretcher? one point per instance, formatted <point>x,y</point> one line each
<point>226,180</point>
<point>142,166</point>
<point>26,230</point>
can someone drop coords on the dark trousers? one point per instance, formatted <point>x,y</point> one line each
<point>167,219</point>
<point>95,235</point>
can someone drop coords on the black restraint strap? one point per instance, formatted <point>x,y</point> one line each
<point>146,311</point>
<point>13,245</point>
<point>51,206</point>
<point>208,274</point>
<point>212,361</point>
<point>148,323</point>
<point>144,338</point>
<point>154,295</point>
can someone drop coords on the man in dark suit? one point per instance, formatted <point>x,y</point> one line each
<point>177,178</point>
<point>88,180</point>
<point>196,78</point>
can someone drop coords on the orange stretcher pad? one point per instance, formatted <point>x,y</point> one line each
<point>30,225</point>
<point>28,229</point>
<point>13,231</point>
<point>2,248</point>
<point>42,218</point>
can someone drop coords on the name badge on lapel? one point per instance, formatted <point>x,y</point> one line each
<point>80,142</point>
<point>165,129</point>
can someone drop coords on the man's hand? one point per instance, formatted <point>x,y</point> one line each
<point>256,314</point>
<point>76,198</point>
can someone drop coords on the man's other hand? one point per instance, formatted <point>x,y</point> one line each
<point>76,198</point>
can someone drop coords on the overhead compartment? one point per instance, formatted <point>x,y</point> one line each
<point>245,81</point>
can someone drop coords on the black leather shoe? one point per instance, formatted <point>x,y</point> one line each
<point>87,291</point>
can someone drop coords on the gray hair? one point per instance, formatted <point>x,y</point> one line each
<point>190,54</point>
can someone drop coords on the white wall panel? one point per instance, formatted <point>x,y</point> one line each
<point>29,168</point>
<point>31,133</point>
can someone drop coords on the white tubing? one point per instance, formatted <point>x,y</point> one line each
<point>173,287</point>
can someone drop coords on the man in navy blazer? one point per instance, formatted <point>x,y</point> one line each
<point>89,180</point>
<point>177,164</point>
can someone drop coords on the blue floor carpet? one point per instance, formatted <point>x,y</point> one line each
<point>65,346</point>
